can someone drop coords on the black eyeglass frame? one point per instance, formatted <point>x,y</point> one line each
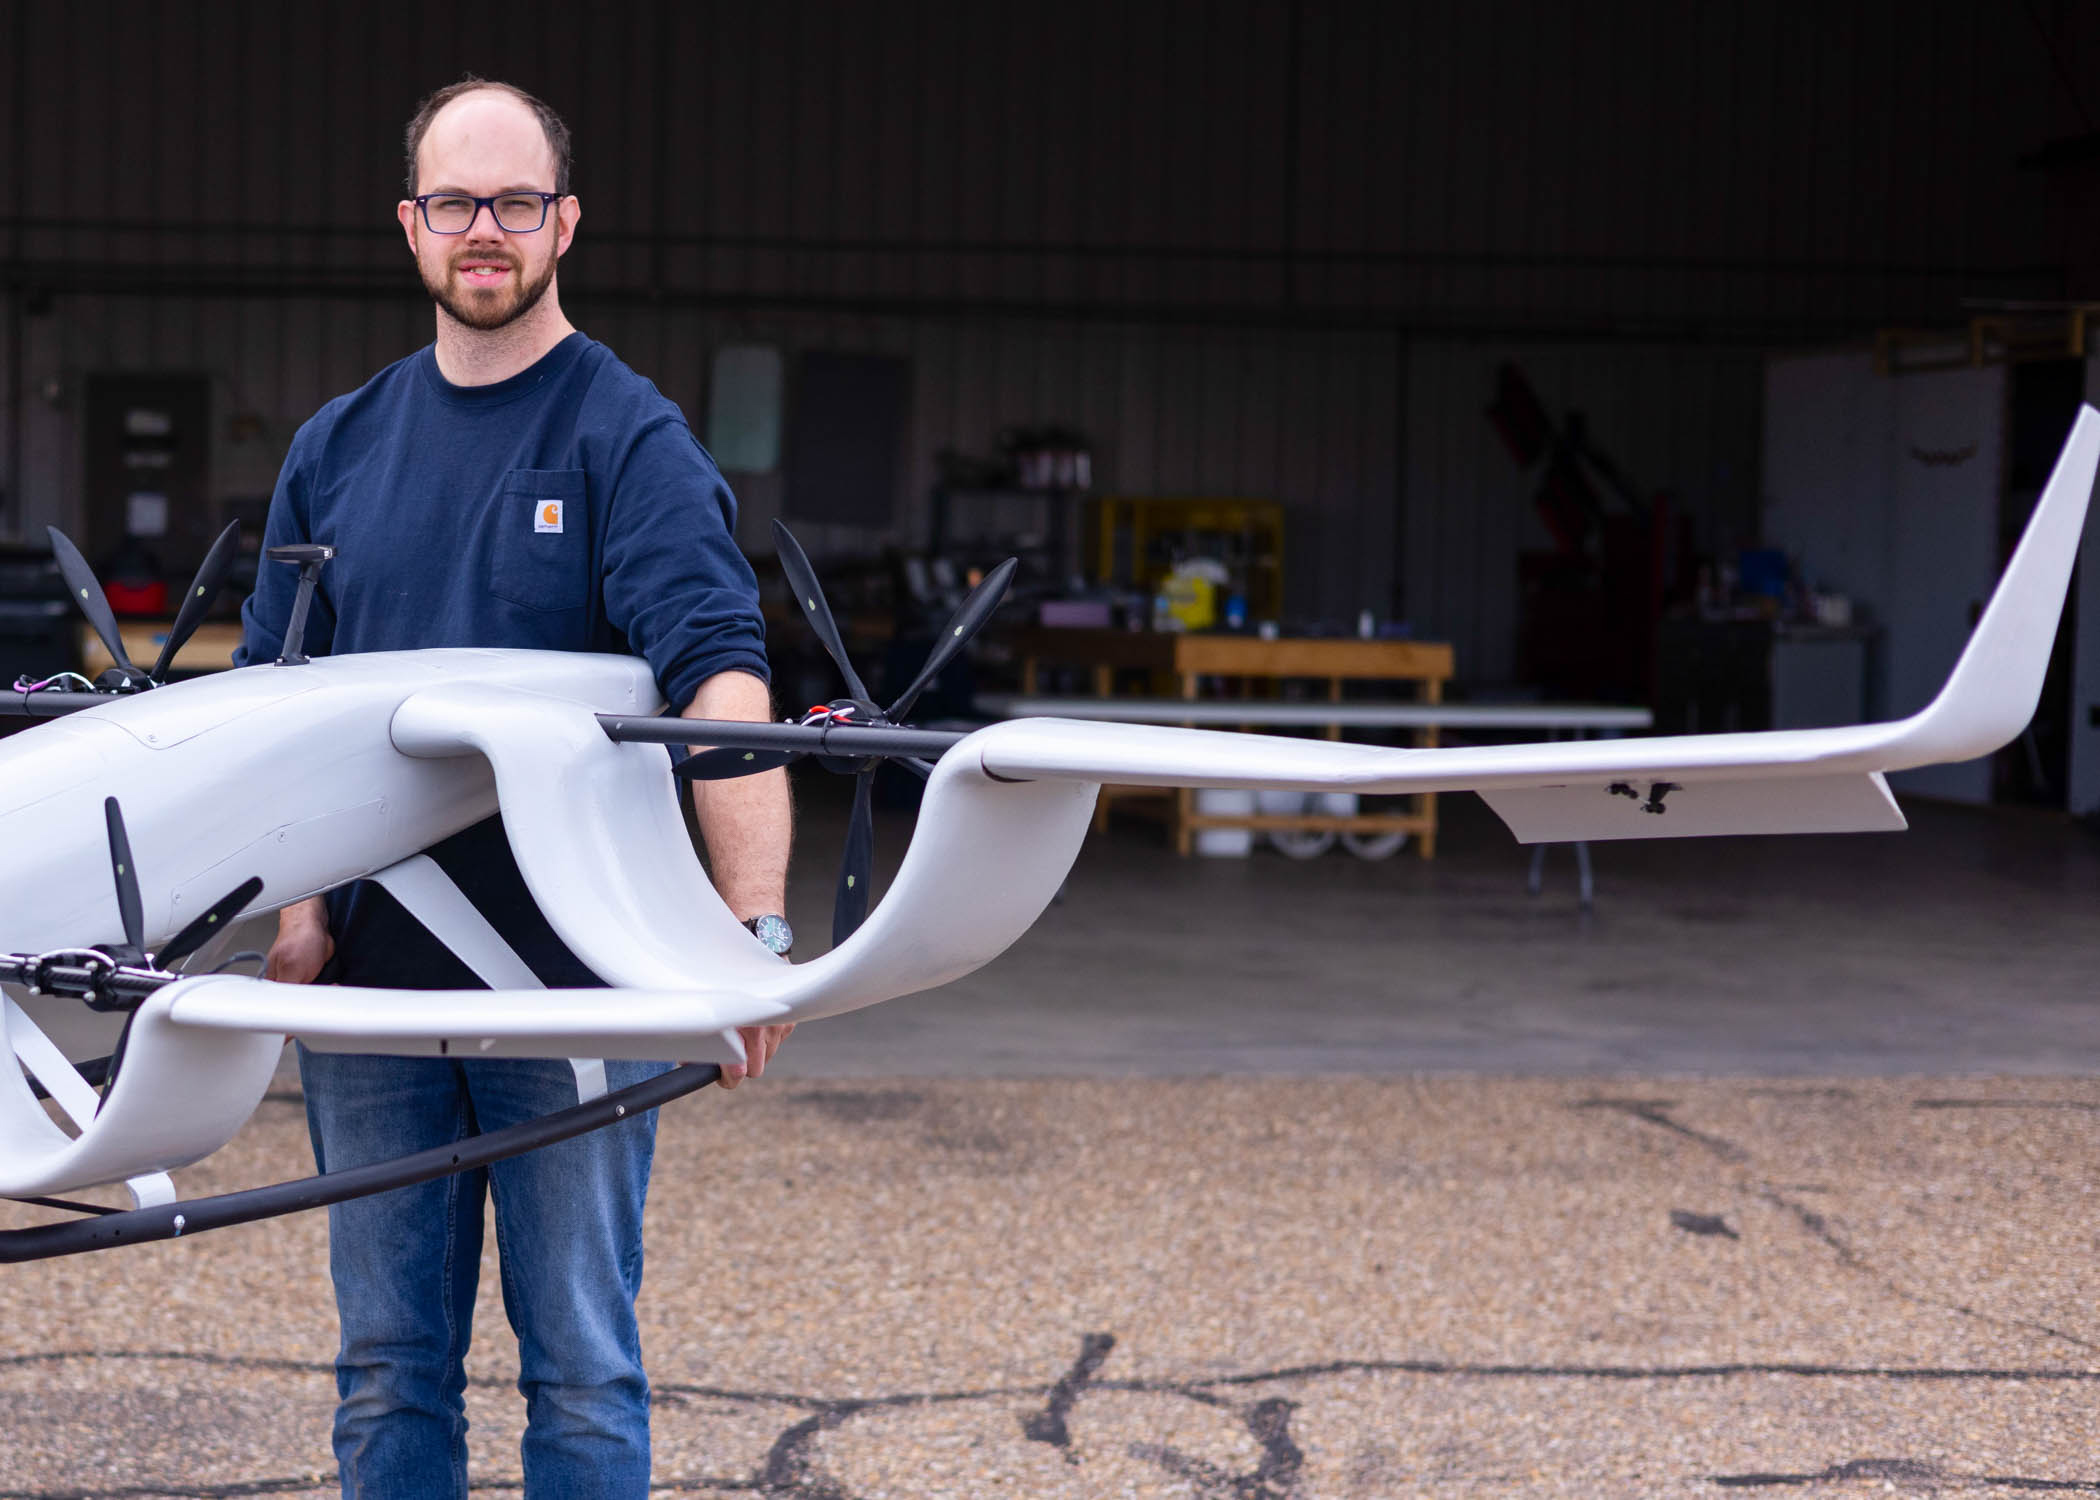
<point>547,200</point>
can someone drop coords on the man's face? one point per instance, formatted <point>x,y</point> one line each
<point>483,144</point>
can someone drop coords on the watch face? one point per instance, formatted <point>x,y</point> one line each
<point>774,932</point>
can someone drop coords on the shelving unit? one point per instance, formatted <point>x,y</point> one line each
<point>1122,528</point>
<point>1187,660</point>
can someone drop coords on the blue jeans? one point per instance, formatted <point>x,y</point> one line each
<point>406,1264</point>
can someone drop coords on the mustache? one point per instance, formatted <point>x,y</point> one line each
<point>485,258</point>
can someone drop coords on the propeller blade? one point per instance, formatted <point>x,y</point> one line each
<point>851,907</point>
<point>967,621</point>
<point>923,769</point>
<point>202,930</point>
<point>129,907</point>
<point>116,1059</point>
<point>211,576</point>
<point>87,592</point>
<point>727,762</point>
<point>802,578</point>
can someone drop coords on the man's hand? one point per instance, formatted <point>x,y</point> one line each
<point>760,1043</point>
<point>303,943</point>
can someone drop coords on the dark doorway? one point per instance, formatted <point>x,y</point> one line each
<point>2043,397</point>
<point>148,467</point>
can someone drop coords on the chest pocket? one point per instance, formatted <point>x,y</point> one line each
<point>540,556</point>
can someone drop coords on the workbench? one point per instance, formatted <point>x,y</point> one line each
<point>1186,658</point>
<point>209,650</point>
<point>1555,720</point>
<point>1271,714</point>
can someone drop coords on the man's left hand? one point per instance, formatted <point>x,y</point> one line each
<point>760,1043</point>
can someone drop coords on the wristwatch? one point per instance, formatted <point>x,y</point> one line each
<point>772,929</point>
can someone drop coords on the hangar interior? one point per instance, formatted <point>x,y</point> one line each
<point>1249,251</point>
<point>1702,361</point>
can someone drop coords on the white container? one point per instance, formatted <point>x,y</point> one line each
<point>1362,845</point>
<point>1224,843</point>
<point>1300,843</point>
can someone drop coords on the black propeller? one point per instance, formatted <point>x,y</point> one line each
<point>802,578</point>
<point>850,907</point>
<point>129,908</point>
<point>204,588</point>
<point>725,764</point>
<point>131,911</point>
<point>87,592</point>
<point>967,620</point>
<point>855,711</point>
<point>201,930</point>
<point>192,937</point>
<point>116,1059</point>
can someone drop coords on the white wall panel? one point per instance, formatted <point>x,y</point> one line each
<point>1943,547</point>
<point>1887,489</point>
<point>1829,440</point>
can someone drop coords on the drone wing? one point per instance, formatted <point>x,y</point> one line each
<point>1780,781</point>
<point>202,1051</point>
<point>1599,789</point>
<point>696,1026</point>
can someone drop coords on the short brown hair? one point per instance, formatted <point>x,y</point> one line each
<point>551,124</point>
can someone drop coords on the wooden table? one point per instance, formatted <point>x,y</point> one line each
<point>1187,658</point>
<point>1231,713</point>
<point>209,650</point>
<point>1557,720</point>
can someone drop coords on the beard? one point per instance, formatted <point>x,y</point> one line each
<point>487,309</point>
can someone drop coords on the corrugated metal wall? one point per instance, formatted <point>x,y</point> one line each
<point>1310,416</point>
<point>1265,246</point>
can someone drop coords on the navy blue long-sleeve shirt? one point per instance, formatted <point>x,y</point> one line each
<point>567,508</point>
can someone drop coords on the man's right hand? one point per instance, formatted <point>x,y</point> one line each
<point>303,943</point>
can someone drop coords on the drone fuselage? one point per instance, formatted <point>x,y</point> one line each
<point>288,774</point>
<point>309,776</point>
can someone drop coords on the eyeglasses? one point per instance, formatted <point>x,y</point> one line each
<point>514,213</point>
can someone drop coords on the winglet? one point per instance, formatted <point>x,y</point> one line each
<point>1998,681</point>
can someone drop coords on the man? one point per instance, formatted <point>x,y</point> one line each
<point>512,484</point>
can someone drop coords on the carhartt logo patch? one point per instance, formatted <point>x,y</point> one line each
<point>548,516</point>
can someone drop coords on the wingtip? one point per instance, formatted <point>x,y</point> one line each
<point>1993,690</point>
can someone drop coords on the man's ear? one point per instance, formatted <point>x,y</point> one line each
<point>566,214</point>
<point>405,211</point>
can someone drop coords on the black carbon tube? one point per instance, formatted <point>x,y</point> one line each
<point>172,1220</point>
<point>847,741</point>
<point>51,703</point>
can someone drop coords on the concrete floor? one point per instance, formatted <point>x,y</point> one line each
<point>1207,1289</point>
<point>1966,945</point>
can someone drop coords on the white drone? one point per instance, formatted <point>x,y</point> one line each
<point>254,788</point>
